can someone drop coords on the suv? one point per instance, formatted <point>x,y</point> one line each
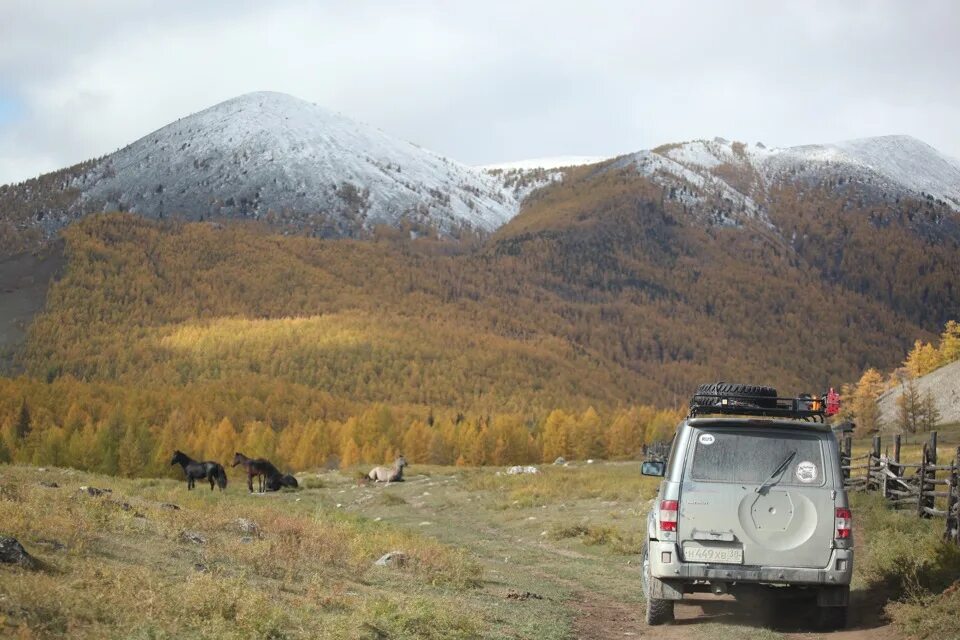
<point>752,495</point>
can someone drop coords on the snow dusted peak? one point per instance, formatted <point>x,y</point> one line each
<point>899,161</point>
<point>705,154</point>
<point>270,109</point>
<point>872,151</point>
<point>268,154</point>
<point>270,102</point>
<point>277,98</point>
<point>895,163</point>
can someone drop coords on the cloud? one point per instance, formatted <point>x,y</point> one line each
<point>484,82</point>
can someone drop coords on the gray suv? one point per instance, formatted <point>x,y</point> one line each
<point>752,495</point>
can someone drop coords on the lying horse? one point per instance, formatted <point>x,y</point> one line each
<point>212,471</point>
<point>277,482</point>
<point>387,474</point>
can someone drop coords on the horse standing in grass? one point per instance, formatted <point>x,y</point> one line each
<point>212,471</point>
<point>259,467</point>
<point>388,474</point>
<point>268,476</point>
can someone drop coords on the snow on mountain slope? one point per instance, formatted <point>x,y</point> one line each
<point>270,156</point>
<point>728,181</point>
<point>556,162</point>
<point>700,188</point>
<point>900,161</point>
<point>271,152</point>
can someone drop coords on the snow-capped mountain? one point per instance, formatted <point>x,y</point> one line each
<point>730,180</point>
<point>272,157</point>
<point>895,162</point>
<point>270,154</point>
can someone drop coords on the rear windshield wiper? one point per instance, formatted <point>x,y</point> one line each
<point>783,465</point>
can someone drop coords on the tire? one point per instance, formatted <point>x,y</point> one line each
<point>658,611</point>
<point>832,618</point>
<point>708,395</point>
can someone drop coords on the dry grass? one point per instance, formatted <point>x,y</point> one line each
<point>600,535</point>
<point>929,616</point>
<point>119,565</point>
<point>907,557</point>
<point>559,483</point>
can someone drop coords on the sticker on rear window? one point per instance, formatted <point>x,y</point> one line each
<point>706,438</point>
<point>807,472</point>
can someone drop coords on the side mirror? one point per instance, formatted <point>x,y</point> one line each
<point>653,468</point>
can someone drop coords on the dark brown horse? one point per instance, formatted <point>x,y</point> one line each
<point>268,476</point>
<point>212,471</point>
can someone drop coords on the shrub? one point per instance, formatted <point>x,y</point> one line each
<point>903,552</point>
<point>930,616</point>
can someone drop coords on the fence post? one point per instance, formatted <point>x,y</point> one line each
<point>884,477</point>
<point>845,453</point>
<point>932,474</point>
<point>922,477</point>
<point>952,533</point>
<point>873,464</point>
<point>895,471</point>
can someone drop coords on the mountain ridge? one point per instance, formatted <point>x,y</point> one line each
<point>272,157</point>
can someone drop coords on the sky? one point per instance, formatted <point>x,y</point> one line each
<point>483,82</point>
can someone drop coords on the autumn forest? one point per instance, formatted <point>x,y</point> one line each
<point>578,330</point>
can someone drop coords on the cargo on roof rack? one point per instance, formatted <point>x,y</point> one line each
<point>753,400</point>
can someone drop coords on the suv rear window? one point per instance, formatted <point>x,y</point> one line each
<point>751,457</point>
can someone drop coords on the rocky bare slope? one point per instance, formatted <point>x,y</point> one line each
<point>943,384</point>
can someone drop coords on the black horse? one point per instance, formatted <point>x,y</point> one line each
<point>268,476</point>
<point>277,482</point>
<point>212,471</point>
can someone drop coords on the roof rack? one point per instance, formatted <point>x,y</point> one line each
<point>803,407</point>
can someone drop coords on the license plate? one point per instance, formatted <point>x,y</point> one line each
<point>716,554</point>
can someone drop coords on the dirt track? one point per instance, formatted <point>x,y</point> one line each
<point>599,619</point>
<point>598,590</point>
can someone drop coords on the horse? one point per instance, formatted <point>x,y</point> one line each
<point>259,467</point>
<point>277,482</point>
<point>269,477</point>
<point>212,471</point>
<point>387,474</point>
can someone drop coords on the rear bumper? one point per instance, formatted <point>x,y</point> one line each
<point>837,572</point>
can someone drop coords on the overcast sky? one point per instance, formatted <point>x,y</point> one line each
<point>486,81</point>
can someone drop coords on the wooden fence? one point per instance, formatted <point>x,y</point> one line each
<point>656,450</point>
<point>929,489</point>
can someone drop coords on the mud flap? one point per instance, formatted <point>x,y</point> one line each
<point>665,590</point>
<point>833,596</point>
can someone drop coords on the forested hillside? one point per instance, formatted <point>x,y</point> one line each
<point>607,296</point>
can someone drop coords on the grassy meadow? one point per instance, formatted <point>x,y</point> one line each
<point>488,555</point>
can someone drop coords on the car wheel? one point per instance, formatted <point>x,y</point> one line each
<point>658,611</point>
<point>832,618</point>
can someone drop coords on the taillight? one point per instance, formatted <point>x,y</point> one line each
<point>668,515</point>
<point>844,523</point>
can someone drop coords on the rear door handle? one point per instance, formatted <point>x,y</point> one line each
<point>720,536</point>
